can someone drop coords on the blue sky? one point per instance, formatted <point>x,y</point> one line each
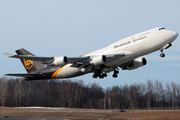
<point>76,27</point>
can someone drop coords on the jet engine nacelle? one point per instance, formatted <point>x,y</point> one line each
<point>139,62</point>
<point>60,61</point>
<point>98,60</point>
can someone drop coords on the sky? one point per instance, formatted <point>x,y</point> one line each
<point>74,27</point>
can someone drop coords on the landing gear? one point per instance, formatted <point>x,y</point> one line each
<point>165,47</point>
<point>105,74</point>
<point>162,54</point>
<point>99,74</point>
<point>115,74</point>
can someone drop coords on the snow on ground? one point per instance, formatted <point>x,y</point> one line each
<point>43,107</point>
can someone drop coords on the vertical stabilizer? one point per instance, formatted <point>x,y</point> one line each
<point>29,65</point>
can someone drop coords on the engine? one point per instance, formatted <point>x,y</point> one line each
<point>98,60</point>
<point>139,62</point>
<point>60,61</point>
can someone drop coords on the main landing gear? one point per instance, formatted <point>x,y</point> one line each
<point>115,73</point>
<point>97,73</point>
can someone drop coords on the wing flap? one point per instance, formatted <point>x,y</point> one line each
<point>78,59</point>
<point>86,59</point>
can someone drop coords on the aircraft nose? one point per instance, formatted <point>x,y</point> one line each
<point>175,35</point>
<point>170,35</point>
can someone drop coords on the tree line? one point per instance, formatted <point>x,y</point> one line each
<point>75,94</point>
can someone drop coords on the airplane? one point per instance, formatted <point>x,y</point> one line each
<point>122,54</point>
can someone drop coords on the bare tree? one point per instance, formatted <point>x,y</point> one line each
<point>67,93</point>
<point>178,94</point>
<point>141,91</point>
<point>149,93</point>
<point>3,90</point>
<point>125,96</point>
<point>173,85</point>
<point>168,94</point>
<point>157,91</point>
<point>161,95</point>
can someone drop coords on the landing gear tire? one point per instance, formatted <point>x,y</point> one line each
<point>105,75</point>
<point>115,75</point>
<point>94,76</point>
<point>116,72</point>
<point>99,74</point>
<point>162,55</point>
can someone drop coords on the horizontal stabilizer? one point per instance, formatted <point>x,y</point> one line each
<point>24,75</point>
<point>35,58</point>
<point>8,54</point>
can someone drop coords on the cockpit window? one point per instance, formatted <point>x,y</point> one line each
<point>161,28</point>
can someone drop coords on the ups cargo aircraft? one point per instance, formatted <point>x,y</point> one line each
<point>121,54</point>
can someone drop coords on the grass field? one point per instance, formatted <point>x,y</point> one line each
<point>83,114</point>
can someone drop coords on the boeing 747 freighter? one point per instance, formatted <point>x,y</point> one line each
<point>122,54</point>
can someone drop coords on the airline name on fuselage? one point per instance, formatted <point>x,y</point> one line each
<point>129,42</point>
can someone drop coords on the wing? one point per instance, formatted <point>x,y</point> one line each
<point>112,57</point>
<point>78,59</point>
<point>81,60</point>
<point>87,62</point>
<point>50,60</point>
<point>94,62</point>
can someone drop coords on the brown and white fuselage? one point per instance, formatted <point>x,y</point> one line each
<point>121,54</point>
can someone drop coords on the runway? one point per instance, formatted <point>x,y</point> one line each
<point>32,119</point>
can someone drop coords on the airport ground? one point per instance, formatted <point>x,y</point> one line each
<point>92,114</point>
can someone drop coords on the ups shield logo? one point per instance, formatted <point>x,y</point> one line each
<point>28,63</point>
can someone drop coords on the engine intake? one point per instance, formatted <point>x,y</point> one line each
<point>99,60</point>
<point>60,61</point>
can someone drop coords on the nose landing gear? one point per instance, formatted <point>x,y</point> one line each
<point>165,47</point>
<point>162,54</point>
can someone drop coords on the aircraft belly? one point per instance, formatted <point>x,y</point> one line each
<point>68,72</point>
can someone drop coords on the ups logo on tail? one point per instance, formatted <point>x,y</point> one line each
<point>28,63</point>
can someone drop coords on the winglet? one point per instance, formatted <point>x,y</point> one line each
<point>8,54</point>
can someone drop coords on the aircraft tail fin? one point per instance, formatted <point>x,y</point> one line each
<point>29,65</point>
